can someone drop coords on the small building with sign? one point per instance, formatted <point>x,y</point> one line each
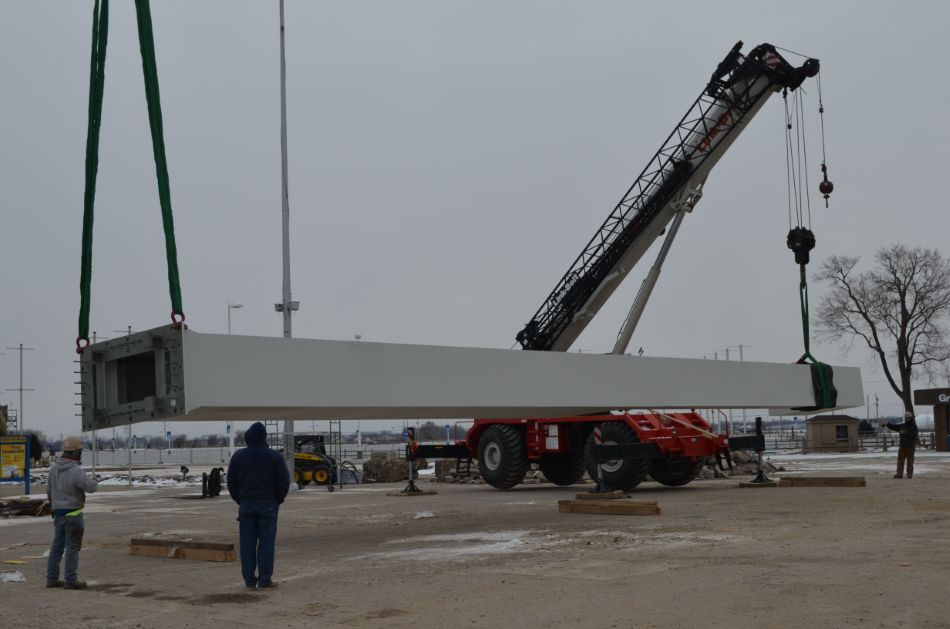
<point>15,460</point>
<point>940,400</point>
<point>831,433</point>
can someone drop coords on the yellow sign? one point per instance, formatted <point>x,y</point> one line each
<point>13,458</point>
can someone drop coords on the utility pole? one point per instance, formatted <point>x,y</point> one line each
<point>230,308</point>
<point>287,306</point>
<point>19,411</point>
<point>744,428</point>
<point>741,359</point>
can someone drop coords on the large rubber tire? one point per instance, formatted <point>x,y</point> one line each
<point>300,477</point>
<point>320,475</point>
<point>563,469</point>
<point>675,472</point>
<point>624,474</point>
<point>502,456</point>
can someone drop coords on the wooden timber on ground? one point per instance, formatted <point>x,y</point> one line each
<point>609,507</point>
<point>750,484</point>
<point>604,495</point>
<point>822,481</point>
<point>182,549</point>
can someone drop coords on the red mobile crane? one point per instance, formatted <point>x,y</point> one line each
<point>669,447</point>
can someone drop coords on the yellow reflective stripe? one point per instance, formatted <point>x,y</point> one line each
<point>74,513</point>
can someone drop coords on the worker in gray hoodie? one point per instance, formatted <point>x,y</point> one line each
<point>66,493</point>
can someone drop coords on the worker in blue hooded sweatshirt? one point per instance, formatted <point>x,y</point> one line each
<point>258,482</point>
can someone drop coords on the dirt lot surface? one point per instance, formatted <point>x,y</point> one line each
<point>877,556</point>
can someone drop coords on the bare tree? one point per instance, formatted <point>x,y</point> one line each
<point>430,431</point>
<point>898,309</point>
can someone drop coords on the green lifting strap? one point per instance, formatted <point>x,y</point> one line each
<point>150,69</point>
<point>822,375</point>
<point>100,34</point>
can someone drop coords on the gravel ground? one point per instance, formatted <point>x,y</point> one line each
<point>877,556</point>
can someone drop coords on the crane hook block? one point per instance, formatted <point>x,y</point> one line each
<point>801,241</point>
<point>825,187</point>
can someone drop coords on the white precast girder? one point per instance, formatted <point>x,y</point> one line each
<point>165,374</point>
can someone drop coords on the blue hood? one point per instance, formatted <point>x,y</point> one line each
<point>256,435</point>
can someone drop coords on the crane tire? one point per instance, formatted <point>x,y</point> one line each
<point>502,456</point>
<point>563,469</point>
<point>675,472</point>
<point>623,474</point>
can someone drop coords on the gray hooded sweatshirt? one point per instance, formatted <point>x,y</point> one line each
<point>68,485</point>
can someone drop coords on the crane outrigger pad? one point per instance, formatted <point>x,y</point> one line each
<point>165,374</point>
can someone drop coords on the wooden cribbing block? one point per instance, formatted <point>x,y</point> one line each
<point>749,485</point>
<point>822,481</point>
<point>606,495</point>
<point>609,507</point>
<point>182,549</point>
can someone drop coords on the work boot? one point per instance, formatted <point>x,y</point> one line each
<point>54,584</point>
<point>269,586</point>
<point>75,585</point>
<point>898,476</point>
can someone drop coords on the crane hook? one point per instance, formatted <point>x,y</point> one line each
<point>825,187</point>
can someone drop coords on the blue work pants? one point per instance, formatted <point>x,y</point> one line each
<point>67,536</point>
<point>258,535</point>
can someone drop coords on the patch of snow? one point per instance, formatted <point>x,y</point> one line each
<point>448,547</point>
<point>423,514</point>
<point>23,519</point>
<point>876,462</point>
<point>11,576</point>
<point>665,539</point>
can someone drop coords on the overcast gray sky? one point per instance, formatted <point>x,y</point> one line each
<point>448,160</point>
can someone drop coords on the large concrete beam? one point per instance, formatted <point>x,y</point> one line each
<point>164,374</point>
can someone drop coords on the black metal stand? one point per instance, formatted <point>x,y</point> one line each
<point>411,460</point>
<point>760,476</point>
<point>411,487</point>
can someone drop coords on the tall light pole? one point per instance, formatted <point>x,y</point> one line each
<point>230,308</point>
<point>287,306</point>
<point>19,411</point>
